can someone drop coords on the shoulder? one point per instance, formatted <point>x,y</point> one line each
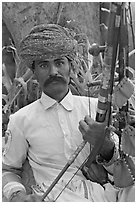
<point>82,104</point>
<point>84,100</point>
<point>26,112</point>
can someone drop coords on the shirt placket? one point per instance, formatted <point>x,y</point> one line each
<point>65,130</point>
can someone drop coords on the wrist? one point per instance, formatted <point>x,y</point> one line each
<point>103,161</point>
<point>12,187</point>
<point>16,195</point>
<point>107,149</point>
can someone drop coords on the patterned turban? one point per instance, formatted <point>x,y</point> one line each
<point>47,41</point>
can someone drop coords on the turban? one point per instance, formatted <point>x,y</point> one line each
<point>47,41</point>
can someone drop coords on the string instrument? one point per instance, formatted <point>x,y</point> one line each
<point>107,83</point>
<point>121,91</point>
<point>117,42</point>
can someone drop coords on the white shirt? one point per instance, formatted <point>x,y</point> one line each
<point>49,132</point>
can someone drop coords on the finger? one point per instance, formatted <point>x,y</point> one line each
<point>88,120</point>
<point>93,124</point>
<point>82,131</point>
<point>83,125</point>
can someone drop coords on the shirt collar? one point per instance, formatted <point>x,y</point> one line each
<point>48,102</point>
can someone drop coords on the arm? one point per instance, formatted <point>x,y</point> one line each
<point>14,155</point>
<point>11,181</point>
<point>93,133</point>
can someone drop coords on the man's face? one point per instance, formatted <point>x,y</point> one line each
<point>53,75</point>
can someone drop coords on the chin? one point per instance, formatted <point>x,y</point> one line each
<point>56,89</point>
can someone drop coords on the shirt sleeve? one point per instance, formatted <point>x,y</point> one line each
<point>16,145</point>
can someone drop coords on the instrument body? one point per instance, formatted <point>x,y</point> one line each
<point>106,87</point>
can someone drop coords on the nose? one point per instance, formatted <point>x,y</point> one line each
<point>53,70</point>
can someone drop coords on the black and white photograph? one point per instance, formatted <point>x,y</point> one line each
<point>68,101</point>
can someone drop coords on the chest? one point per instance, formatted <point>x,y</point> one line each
<point>54,132</point>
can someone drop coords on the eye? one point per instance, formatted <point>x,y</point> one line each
<point>59,63</point>
<point>43,65</point>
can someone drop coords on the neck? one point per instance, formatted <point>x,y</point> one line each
<point>58,96</point>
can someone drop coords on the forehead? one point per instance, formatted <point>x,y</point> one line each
<point>51,60</point>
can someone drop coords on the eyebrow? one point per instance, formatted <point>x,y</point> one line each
<point>45,61</point>
<point>60,59</point>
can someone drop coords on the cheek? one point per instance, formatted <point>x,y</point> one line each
<point>41,77</point>
<point>66,72</point>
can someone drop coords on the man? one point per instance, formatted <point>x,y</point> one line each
<point>48,131</point>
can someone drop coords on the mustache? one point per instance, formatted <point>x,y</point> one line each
<point>54,78</point>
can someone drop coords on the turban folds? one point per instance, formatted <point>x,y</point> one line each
<point>47,41</point>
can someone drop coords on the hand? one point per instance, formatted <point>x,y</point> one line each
<point>96,173</point>
<point>92,131</point>
<point>23,197</point>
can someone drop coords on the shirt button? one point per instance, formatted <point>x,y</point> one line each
<point>61,121</point>
<point>64,132</point>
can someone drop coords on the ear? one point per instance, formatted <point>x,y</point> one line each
<point>33,66</point>
<point>35,75</point>
<point>70,66</point>
<point>34,70</point>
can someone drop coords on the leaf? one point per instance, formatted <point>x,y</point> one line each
<point>6,108</point>
<point>22,82</point>
<point>131,53</point>
<point>5,78</point>
<point>128,140</point>
<point>121,174</point>
<point>132,101</point>
<point>5,98</point>
<point>132,71</point>
<point>13,50</point>
<point>28,74</point>
<point>88,77</point>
